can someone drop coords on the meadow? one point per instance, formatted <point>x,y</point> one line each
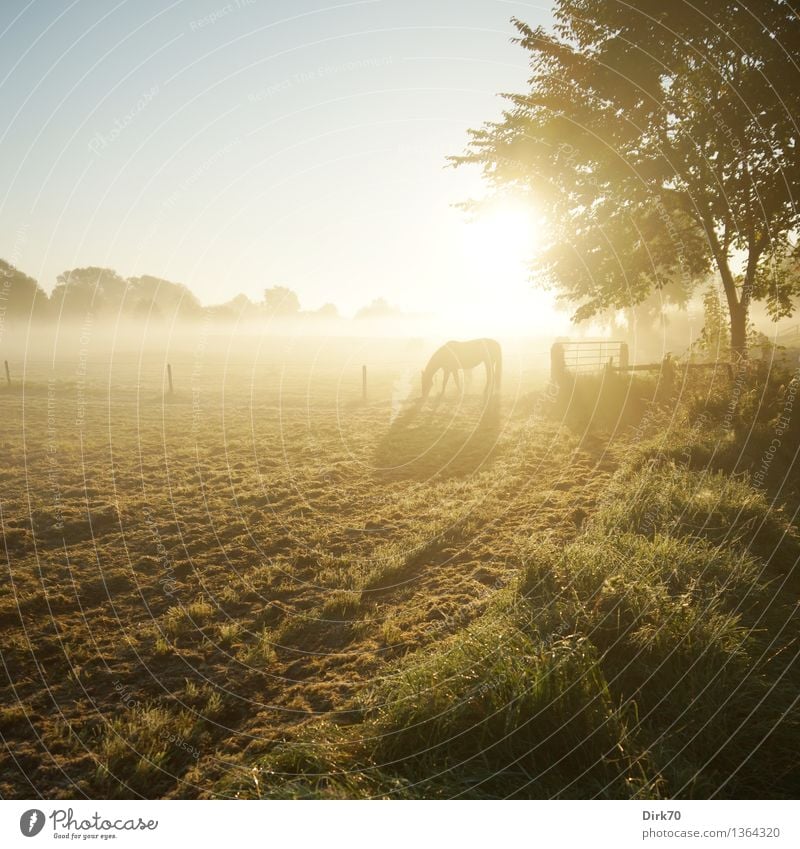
<point>265,584</point>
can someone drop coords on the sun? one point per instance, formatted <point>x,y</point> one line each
<point>508,234</point>
<point>500,245</point>
<point>504,239</point>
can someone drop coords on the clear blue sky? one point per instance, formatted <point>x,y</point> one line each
<point>237,145</point>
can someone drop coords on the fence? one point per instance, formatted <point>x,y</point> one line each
<point>610,357</point>
<point>587,356</point>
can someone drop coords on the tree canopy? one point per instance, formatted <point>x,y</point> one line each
<point>82,291</point>
<point>281,301</point>
<point>103,293</point>
<point>661,141</point>
<point>20,295</point>
<point>154,297</point>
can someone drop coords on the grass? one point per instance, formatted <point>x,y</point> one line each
<point>607,402</point>
<point>139,752</point>
<point>652,657</point>
<point>309,596</point>
<point>259,532</point>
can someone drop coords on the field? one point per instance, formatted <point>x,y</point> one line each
<point>265,584</point>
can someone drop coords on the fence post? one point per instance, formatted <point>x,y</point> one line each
<point>8,374</point>
<point>623,356</point>
<point>364,382</point>
<point>558,365</point>
<point>667,376</point>
<point>169,377</point>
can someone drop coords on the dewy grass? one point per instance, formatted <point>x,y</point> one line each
<point>634,662</point>
<point>517,622</point>
<point>142,748</point>
<point>497,700</point>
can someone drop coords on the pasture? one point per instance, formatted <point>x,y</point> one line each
<point>190,576</point>
<point>264,583</point>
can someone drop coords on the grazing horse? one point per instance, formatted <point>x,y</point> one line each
<point>453,357</point>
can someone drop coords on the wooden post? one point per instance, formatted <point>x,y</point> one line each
<point>169,377</point>
<point>8,374</point>
<point>364,382</point>
<point>623,356</point>
<point>558,365</point>
<point>667,377</point>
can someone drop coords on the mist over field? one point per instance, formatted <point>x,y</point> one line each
<point>284,574</point>
<point>368,434</point>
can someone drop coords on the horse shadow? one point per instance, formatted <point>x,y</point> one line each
<point>439,440</point>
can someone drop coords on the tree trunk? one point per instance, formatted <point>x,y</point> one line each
<point>738,329</point>
<point>737,308</point>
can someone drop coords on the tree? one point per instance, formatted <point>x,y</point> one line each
<point>20,295</point>
<point>241,306</point>
<point>91,289</point>
<point>168,299</point>
<point>716,337</point>
<point>237,309</point>
<point>328,310</point>
<point>661,142</point>
<point>147,309</point>
<point>281,301</point>
<point>379,308</point>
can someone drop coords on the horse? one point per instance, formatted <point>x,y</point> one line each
<point>453,357</point>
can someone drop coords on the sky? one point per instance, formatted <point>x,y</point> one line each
<point>233,146</point>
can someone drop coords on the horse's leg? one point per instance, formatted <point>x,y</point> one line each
<point>458,381</point>
<point>444,382</point>
<point>489,374</point>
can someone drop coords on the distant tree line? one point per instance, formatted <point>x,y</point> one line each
<point>104,293</point>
